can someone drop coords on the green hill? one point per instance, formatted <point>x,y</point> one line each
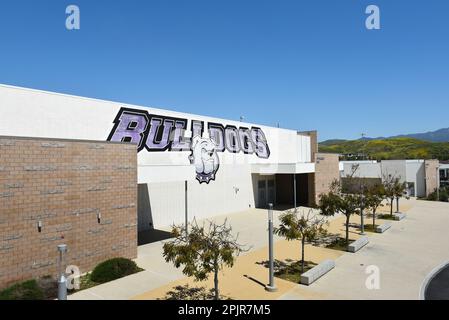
<point>390,149</point>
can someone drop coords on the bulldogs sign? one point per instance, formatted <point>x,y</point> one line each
<point>156,133</point>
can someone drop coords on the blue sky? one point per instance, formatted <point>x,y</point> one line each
<point>307,64</point>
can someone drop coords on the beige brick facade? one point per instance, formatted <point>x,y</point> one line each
<point>432,174</point>
<point>326,171</point>
<point>83,193</point>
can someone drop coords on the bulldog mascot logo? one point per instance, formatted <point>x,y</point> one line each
<point>205,158</point>
<point>159,133</point>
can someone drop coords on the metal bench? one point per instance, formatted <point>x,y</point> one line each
<point>358,244</point>
<point>384,227</point>
<point>399,216</point>
<point>317,272</point>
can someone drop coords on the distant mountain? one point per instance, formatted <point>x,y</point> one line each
<point>384,149</point>
<point>332,142</point>
<point>441,135</point>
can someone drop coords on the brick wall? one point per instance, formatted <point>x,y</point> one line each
<point>431,176</point>
<point>66,185</point>
<point>326,171</point>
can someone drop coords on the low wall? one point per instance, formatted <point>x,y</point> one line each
<point>80,193</point>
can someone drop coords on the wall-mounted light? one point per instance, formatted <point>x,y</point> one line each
<point>39,226</point>
<point>99,217</point>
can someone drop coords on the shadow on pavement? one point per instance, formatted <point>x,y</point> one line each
<point>150,236</point>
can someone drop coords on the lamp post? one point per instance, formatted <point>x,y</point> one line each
<point>62,281</point>
<point>294,191</point>
<point>438,183</point>
<point>362,208</point>
<point>271,286</point>
<point>362,222</point>
<point>186,207</point>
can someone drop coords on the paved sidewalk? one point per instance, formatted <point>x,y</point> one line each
<point>405,255</point>
<point>251,225</point>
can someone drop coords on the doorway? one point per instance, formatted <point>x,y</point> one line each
<point>266,192</point>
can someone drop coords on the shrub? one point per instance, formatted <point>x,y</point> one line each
<point>28,290</point>
<point>444,195</point>
<point>113,269</point>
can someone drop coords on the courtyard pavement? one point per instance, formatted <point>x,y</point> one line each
<point>405,255</point>
<point>251,225</point>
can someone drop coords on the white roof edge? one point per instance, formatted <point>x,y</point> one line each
<point>134,105</point>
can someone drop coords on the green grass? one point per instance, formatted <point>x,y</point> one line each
<point>386,216</point>
<point>370,228</point>
<point>46,287</point>
<point>292,271</point>
<point>106,271</point>
<point>85,283</point>
<point>339,244</point>
<point>28,290</point>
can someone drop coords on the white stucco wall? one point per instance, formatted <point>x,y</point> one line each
<point>366,169</point>
<point>411,171</point>
<point>33,113</point>
<point>416,173</point>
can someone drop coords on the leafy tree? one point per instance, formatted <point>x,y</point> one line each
<point>400,190</point>
<point>390,183</point>
<point>375,195</point>
<point>204,249</point>
<point>305,227</point>
<point>338,202</point>
<point>394,189</point>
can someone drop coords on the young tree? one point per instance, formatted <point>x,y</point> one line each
<point>338,202</point>
<point>301,226</point>
<point>374,198</point>
<point>392,185</point>
<point>388,183</point>
<point>400,190</point>
<point>204,249</point>
<point>357,186</point>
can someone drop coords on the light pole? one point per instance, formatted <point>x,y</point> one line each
<point>294,190</point>
<point>186,207</point>
<point>62,281</point>
<point>438,183</point>
<point>271,286</point>
<point>362,222</point>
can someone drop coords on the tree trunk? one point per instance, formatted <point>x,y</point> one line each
<point>397,204</point>
<point>374,219</point>
<point>217,293</point>
<point>347,229</point>
<point>391,206</point>
<point>303,242</point>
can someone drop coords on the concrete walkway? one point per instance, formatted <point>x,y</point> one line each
<point>405,255</point>
<point>251,225</point>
